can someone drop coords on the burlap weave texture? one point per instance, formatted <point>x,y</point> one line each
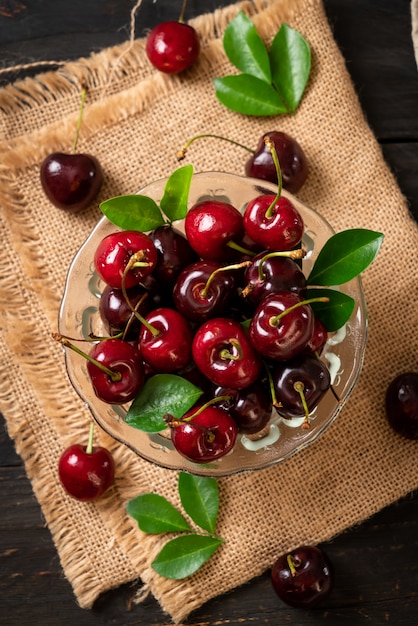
<point>135,126</point>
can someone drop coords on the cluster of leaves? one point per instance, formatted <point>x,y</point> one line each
<point>185,554</point>
<point>271,82</point>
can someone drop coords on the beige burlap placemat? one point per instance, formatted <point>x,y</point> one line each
<point>135,125</point>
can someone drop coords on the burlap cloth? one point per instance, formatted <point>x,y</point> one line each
<point>135,126</point>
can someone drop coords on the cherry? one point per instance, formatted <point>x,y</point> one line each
<point>281,326</point>
<point>165,341</point>
<point>173,47</point>
<point>212,225</point>
<point>303,577</point>
<point>71,181</point>
<point>319,337</point>
<point>203,290</point>
<point>116,313</point>
<point>292,159</point>
<point>204,434</point>
<point>401,404</point>
<point>299,385</point>
<point>125,258</point>
<point>250,407</point>
<point>86,472</point>
<point>174,253</point>
<point>273,222</point>
<point>224,354</point>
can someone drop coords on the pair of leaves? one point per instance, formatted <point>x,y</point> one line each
<point>139,212</point>
<point>272,81</point>
<point>185,554</point>
<point>344,256</point>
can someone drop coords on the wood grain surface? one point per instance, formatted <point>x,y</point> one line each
<point>376,563</point>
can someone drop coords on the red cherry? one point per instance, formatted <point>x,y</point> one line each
<point>204,435</point>
<point>401,404</point>
<point>117,250</point>
<point>172,47</point>
<point>71,181</point>
<point>273,223</point>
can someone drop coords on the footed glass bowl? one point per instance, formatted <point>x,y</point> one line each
<point>79,316</point>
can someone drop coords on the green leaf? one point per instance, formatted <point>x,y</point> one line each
<point>245,48</point>
<point>344,256</point>
<point>176,193</point>
<point>133,212</point>
<point>336,312</point>
<point>290,60</point>
<point>155,514</point>
<point>183,555</point>
<point>200,499</point>
<point>161,394</point>
<point>248,95</point>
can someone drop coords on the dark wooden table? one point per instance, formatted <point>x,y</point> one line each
<point>377,562</point>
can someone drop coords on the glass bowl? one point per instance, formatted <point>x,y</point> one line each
<point>79,316</point>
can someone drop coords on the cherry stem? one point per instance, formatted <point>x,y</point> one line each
<point>275,319</point>
<point>300,388</point>
<point>113,375</point>
<point>89,448</point>
<point>270,145</point>
<point>134,313</point>
<point>291,254</point>
<point>133,262</point>
<point>205,406</point>
<point>182,12</point>
<point>80,117</point>
<point>209,281</point>
<point>227,355</point>
<point>236,246</point>
<point>274,399</point>
<point>292,565</point>
<point>182,153</point>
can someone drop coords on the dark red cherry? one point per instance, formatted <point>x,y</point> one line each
<point>303,577</point>
<point>210,226</point>
<point>172,47</point>
<point>269,273</point>
<point>71,181</point>
<point>250,407</point>
<point>86,475</point>
<point>166,341</point>
<point>117,250</point>
<point>174,253</point>
<point>401,404</point>
<point>292,160</point>
<point>126,372</point>
<point>204,435</point>
<point>281,326</point>
<point>319,337</point>
<point>273,223</point>
<point>115,311</point>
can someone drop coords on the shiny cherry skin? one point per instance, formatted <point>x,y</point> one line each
<point>306,370</point>
<point>170,350</point>
<point>250,407</point>
<point>319,338</point>
<point>401,404</point>
<point>224,354</point>
<point>304,577</point>
<point>125,360</point>
<point>292,159</point>
<point>114,252</point>
<point>277,273</point>
<point>284,338</point>
<point>116,313</point>
<point>206,436</point>
<point>174,253</point>
<point>172,47</point>
<point>86,475</point>
<point>210,225</point>
<point>199,300</point>
<point>71,181</point>
<point>279,229</point>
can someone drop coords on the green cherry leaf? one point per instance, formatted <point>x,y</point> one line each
<point>344,256</point>
<point>184,555</point>
<point>290,60</point>
<point>133,212</point>
<point>248,95</point>
<point>335,313</point>
<point>200,499</point>
<point>161,394</point>
<point>155,514</point>
<point>176,193</point>
<point>245,48</point>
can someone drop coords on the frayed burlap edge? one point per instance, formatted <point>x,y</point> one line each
<point>414,16</point>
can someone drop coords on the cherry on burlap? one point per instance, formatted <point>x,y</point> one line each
<point>135,125</point>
